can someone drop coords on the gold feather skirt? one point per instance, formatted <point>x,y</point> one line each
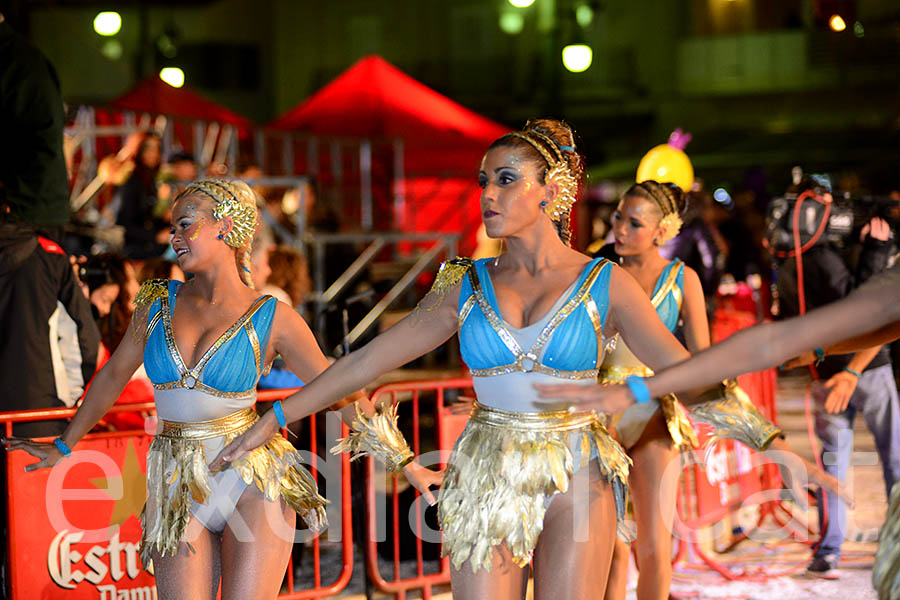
<point>886,572</point>
<point>505,468</point>
<point>178,475</point>
<point>677,422</point>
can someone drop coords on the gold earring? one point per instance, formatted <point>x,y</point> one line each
<point>499,252</point>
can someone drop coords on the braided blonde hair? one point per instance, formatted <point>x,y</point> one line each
<point>671,202</point>
<point>236,200</point>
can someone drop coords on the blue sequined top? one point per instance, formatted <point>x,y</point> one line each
<point>229,368</point>
<point>667,297</point>
<point>569,345</point>
<point>670,289</point>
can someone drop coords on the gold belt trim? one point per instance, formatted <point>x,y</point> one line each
<point>199,430</point>
<point>616,374</point>
<point>558,420</point>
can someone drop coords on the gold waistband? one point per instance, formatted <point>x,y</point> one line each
<point>199,430</point>
<point>616,374</point>
<point>558,420</point>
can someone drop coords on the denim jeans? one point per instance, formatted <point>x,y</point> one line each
<point>876,398</point>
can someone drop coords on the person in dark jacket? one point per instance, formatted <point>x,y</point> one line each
<point>48,349</point>
<point>146,236</point>
<point>862,383</point>
<point>32,165</point>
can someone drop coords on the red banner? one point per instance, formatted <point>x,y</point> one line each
<point>74,530</point>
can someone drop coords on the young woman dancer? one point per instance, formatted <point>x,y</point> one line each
<point>521,482</point>
<point>652,433</point>
<point>204,351</point>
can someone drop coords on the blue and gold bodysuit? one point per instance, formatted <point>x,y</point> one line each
<point>202,408</point>
<point>667,298</point>
<point>513,456</point>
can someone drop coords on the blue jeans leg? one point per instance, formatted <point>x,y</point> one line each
<point>836,435</point>
<point>880,408</point>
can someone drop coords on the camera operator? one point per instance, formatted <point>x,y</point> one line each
<point>863,382</point>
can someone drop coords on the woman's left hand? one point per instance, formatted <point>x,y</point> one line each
<point>604,399</point>
<point>422,478</point>
<point>261,432</point>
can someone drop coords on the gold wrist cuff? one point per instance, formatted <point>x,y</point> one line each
<point>377,436</point>
<point>730,411</point>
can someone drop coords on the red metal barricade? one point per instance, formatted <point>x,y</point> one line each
<point>51,557</point>
<point>447,428</point>
<point>720,484</point>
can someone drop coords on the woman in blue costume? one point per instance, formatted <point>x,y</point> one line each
<point>522,483</point>
<point>652,433</point>
<point>204,350</point>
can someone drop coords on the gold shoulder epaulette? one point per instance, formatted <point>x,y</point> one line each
<point>451,273</point>
<point>151,291</point>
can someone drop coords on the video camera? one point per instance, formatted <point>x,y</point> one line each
<point>845,214</point>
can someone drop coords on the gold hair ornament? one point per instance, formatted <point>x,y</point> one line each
<point>670,225</point>
<point>558,172</point>
<point>227,204</point>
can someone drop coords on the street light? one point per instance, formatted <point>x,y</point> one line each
<point>107,23</point>
<point>174,76</point>
<point>521,3</point>
<point>512,22</point>
<point>836,22</point>
<point>577,58</point>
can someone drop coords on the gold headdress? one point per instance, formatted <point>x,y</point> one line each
<point>228,204</point>
<point>671,222</point>
<point>558,172</point>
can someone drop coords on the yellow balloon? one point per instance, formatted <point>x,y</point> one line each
<point>666,164</point>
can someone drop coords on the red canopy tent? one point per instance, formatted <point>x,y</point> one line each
<point>153,95</point>
<point>443,141</point>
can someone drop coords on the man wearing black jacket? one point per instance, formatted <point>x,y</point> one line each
<point>32,164</point>
<point>49,344</point>
<point>861,383</point>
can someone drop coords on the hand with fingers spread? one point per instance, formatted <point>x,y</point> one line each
<point>422,479</point>
<point>47,452</point>
<point>840,389</point>
<point>462,406</point>
<point>603,399</point>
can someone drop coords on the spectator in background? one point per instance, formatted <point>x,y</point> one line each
<point>180,170</point>
<point>49,345</point>
<point>112,284</point>
<point>289,275</point>
<point>160,268</point>
<point>860,383</point>
<point>699,244</point>
<point>33,178</point>
<point>289,282</point>
<point>146,236</point>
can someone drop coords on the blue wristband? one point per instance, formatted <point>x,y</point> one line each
<point>279,413</point>
<point>852,372</point>
<point>638,388</point>
<point>61,446</point>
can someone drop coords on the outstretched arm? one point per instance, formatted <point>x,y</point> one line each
<point>874,306</point>
<point>101,395</point>
<point>409,339</point>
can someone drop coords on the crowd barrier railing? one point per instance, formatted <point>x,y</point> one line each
<point>74,531</point>
<point>721,482</point>
<point>447,427</point>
